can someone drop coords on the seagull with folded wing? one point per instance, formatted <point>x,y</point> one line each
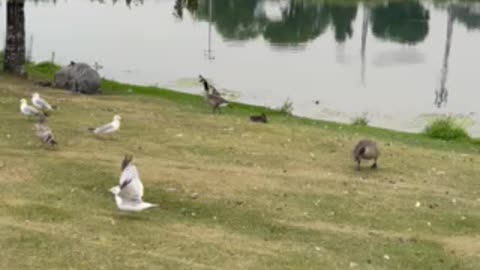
<point>129,194</point>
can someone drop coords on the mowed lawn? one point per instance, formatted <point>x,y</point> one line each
<point>232,194</point>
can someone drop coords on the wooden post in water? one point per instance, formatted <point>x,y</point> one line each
<point>441,94</point>
<point>209,51</point>
<point>366,17</point>
<point>14,59</point>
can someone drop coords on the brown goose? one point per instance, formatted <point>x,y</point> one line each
<point>216,102</point>
<point>213,99</point>
<point>367,150</point>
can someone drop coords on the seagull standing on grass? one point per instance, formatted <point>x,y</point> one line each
<point>44,133</point>
<point>41,103</point>
<point>128,195</point>
<point>108,128</point>
<point>28,110</point>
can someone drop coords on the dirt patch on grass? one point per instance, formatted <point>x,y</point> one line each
<point>457,245</point>
<point>15,170</point>
<point>462,245</point>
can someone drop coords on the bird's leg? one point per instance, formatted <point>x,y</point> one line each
<point>374,165</point>
<point>358,164</point>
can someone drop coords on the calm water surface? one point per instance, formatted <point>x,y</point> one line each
<point>401,63</point>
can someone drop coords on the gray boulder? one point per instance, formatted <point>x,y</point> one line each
<point>78,77</point>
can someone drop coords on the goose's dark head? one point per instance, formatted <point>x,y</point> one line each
<point>126,161</point>
<point>203,81</point>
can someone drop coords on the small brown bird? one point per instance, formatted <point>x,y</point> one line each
<point>367,150</point>
<point>259,118</point>
<point>44,133</point>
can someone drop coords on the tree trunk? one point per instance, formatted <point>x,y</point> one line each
<point>14,61</point>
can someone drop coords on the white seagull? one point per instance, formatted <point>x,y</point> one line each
<point>40,103</point>
<point>128,195</point>
<point>28,110</point>
<point>108,128</point>
<point>44,133</point>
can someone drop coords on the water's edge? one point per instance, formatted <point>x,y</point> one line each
<point>45,71</point>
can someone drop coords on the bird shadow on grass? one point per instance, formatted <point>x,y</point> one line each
<point>106,138</point>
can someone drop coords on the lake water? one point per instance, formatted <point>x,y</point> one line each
<point>333,62</point>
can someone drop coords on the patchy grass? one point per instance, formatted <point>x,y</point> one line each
<point>280,196</point>
<point>446,128</point>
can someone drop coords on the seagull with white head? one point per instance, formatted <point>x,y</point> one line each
<point>108,128</point>
<point>41,103</point>
<point>28,110</point>
<point>129,194</point>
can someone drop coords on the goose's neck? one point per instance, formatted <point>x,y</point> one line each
<point>205,85</point>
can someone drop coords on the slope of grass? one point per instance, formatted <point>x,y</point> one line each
<point>45,71</point>
<point>278,196</point>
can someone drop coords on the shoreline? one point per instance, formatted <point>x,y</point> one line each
<point>46,70</point>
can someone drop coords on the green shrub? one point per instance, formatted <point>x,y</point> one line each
<point>446,128</point>
<point>361,121</point>
<point>287,107</point>
<point>42,71</point>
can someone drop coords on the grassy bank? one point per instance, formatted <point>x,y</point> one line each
<point>45,71</point>
<point>279,196</point>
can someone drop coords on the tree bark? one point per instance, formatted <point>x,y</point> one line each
<point>14,58</point>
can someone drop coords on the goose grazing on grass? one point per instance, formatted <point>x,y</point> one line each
<point>44,133</point>
<point>259,118</point>
<point>41,103</point>
<point>28,110</point>
<point>367,150</point>
<point>129,194</point>
<point>108,128</point>
<point>214,99</point>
